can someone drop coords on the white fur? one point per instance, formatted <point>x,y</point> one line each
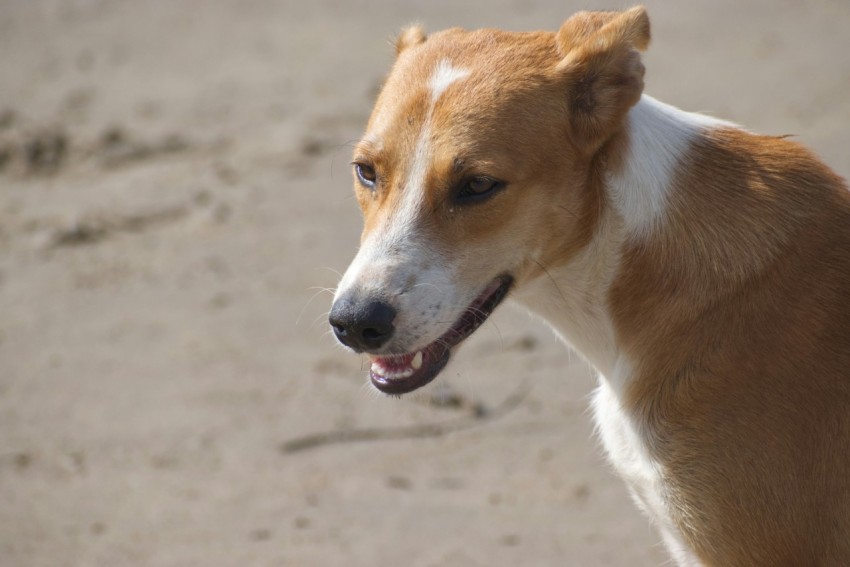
<point>443,78</point>
<point>625,446</point>
<point>572,299</point>
<point>659,135</point>
<point>628,452</point>
<point>414,186</point>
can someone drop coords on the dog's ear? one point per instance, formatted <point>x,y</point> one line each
<point>602,70</point>
<point>409,36</point>
<point>576,30</point>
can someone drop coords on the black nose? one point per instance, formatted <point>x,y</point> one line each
<point>362,325</point>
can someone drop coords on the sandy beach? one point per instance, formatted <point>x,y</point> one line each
<point>175,204</point>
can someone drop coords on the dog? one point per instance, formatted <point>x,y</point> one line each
<point>703,270</point>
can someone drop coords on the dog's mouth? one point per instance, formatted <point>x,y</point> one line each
<point>402,373</point>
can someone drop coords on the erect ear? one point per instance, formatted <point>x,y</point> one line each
<point>602,70</point>
<point>409,36</point>
<point>579,26</point>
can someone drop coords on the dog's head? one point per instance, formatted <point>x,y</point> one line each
<point>476,172</point>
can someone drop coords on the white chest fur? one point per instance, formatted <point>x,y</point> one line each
<point>627,451</point>
<point>629,455</point>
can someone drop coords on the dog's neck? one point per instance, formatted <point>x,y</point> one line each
<point>573,297</point>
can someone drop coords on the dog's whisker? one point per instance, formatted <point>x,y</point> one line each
<point>332,270</point>
<point>551,278</point>
<point>330,290</point>
<point>309,301</point>
<point>429,284</point>
<point>321,317</point>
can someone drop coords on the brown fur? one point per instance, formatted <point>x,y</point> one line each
<point>738,310</point>
<point>410,36</point>
<point>480,119</point>
<point>603,71</point>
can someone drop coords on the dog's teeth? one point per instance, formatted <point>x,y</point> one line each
<point>416,363</point>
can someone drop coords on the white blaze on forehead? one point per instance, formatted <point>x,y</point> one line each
<point>444,75</point>
<point>414,189</point>
<point>375,263</point>
<point>441,79</point>
<point>397,258</point>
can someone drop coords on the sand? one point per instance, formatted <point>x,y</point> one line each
<point>175,200</point>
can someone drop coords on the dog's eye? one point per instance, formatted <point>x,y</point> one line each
<point>479,187</point>
<point>366,174</point>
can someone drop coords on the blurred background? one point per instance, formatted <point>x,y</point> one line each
<point>175,198</point>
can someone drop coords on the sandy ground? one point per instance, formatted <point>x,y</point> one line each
<point>174,193</point>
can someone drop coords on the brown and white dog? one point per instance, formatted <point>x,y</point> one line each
<point>703,270</point>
